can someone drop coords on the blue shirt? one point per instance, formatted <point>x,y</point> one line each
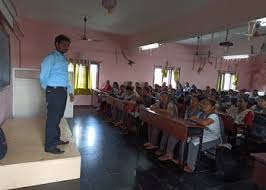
<point>54,71</point>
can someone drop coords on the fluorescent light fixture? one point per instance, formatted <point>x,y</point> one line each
<point>229,57</point>
<point>262,21</point>
<point>149,46</point>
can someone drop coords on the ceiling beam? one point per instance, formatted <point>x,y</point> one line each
<point>215,15</point>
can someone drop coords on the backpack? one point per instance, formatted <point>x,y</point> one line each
<point>3,144</point>
<point>258,130</point>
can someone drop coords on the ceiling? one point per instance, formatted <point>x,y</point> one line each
<point>146,21</point>
<point>237,35</point>
<point>129,17</point>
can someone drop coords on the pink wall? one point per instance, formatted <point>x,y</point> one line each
<point>258,73</point>
<point>38,41</point>
<point>6,93</point>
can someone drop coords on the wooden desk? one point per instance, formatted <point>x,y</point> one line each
<point>176,127</point>
<point>179,128</point>
<point>96,92</point>
<point>259,170</point>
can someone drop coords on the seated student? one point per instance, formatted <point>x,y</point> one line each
<point>254,94</point>
<point>138,92</point>
<point>244,115</point>
<point>164,88</point>
<point>137,85</point>
<point>122,89</point>
<point>129,94</point>
<point>179,90</point>
<point>151,91</point>
<point>260,107</point>
<point>192,110</point>
<point>107,87</point>
<point>207,92</point>
<point>233,109</point>
<point>146,98</point>
<point>146,84</point>
<point>187,87</point>
<point>130,84</point>
<point>115,89</point>
<point>211,136</point>
<point>161,107</point>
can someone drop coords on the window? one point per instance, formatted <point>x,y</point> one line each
<point>227,81</point>
<point>159,79</point>
<point>5,65</point>
<point>85,77</point>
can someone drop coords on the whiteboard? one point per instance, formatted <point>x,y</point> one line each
<point>28,96</point>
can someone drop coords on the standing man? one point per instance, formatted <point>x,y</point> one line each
<point>54,79</point>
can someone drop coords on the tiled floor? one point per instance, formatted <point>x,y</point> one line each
<point>112,161</point>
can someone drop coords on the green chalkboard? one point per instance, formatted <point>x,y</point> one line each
<point>5,65</point>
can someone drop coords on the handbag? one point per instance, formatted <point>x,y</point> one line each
<point>3,144</point>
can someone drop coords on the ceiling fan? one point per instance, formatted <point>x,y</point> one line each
<point>84,36</point>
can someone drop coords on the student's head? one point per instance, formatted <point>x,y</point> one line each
<point>136,84</point>
<point>164,97</point>
<point>187,84</point>
<point>146,84</point>
<point>199,92</point>
<point>262,102</point>
<point>243,103</point>
<point>169,86</point>
<point>213,91</point>
<point>139,90</point>
<point>122,87</point>
<point>146,90</point>
<point>193,87</point>
<point>180,86</point>
<point>208,89</point>
<point>107,82</point>
<point>150,89</point>
<point>129,89</point>
<point>115,85</point>
<point>62,43</point>
<point>208,105</point>
<point>194,101</point>
<point>255,92</point>
<point>164,84</point>
<point>129,83</point>
<point>193,92</point>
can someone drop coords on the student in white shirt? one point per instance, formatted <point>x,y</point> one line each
<point>211,136</point>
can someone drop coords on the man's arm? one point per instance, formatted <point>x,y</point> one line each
<point>46,67</point>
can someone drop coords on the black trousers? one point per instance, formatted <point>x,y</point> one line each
<point>56,103</point>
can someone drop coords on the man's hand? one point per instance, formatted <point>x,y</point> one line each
<point>71,96</point>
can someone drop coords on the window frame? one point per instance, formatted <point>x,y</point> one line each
<point>171,69</point>
<point>223,73</point>
<point>98,72</point>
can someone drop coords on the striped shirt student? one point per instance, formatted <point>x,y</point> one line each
<point>54,80</point>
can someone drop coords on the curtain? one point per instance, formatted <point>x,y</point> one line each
<point>82,79</point>
<point>219,81</point>
<point>177,74</point>
<point>235,78</point>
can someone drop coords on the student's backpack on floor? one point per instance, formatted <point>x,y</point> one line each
<point>3,144</point>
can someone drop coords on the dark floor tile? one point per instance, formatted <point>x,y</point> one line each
<point>114,161</point>
<point>243,185</point>
<point>104,183</point>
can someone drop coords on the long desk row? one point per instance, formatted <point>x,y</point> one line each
<point>179,128</point>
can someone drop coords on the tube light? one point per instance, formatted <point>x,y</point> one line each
<point>228,57</point>
<point>149,46</point>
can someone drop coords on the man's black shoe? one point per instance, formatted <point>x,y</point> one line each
<point>62,142</point>
<point>54,150</point>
